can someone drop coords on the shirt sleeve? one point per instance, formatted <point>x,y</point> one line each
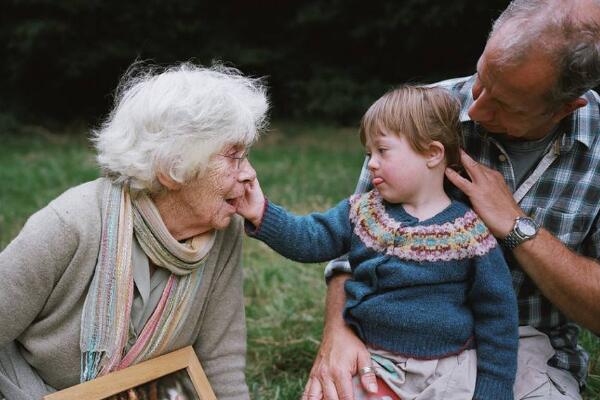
<point>30,266</point>
<point>312,238</point>
<point>221,344</point>
<point>493,302</point>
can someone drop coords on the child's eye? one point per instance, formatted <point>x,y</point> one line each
<point>381,150</point>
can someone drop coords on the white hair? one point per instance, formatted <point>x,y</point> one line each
<point>567,31</point>
<point>172,121</point>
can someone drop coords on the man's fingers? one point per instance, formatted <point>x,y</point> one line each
<point>312,390</point>
<point>344,387</point>
<point>472,167</point>
<point>466,160</point>
<point>329,389</point>
<point>458,181</point>
<point>367,380</point>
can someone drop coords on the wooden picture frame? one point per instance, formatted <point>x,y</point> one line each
<point>144,377</point>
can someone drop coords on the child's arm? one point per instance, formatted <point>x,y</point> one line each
<point>493,301</point>
<point>313,238</point>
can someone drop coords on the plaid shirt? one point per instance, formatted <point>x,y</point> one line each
<point>565,201</point>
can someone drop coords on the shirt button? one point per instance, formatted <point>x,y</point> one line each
<point>502,157</point>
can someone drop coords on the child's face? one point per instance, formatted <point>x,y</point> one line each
<point>399,172</point>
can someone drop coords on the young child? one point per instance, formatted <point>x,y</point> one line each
<point>430,293</point>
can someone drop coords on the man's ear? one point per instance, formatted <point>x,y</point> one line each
<point>435,154</point>
<point>167,181</point>
<point>568,108</point>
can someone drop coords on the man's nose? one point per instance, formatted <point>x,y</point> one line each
<point>247,172</point>
<point>482,109</point>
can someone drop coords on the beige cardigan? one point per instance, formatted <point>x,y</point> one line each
<point>45,273</point>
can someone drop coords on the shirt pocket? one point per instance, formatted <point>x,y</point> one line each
<point>570,228</point>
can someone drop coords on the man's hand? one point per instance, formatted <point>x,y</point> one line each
<point>489,195</point>
<point>340,356</point>
<point>252,204</point>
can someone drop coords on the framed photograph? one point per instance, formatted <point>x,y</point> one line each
<point>174,376</point>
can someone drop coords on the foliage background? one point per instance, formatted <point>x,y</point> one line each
<point>325,59</point>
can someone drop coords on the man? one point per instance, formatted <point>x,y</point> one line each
<point>533,125</point>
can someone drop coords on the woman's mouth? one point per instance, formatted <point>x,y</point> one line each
<point>232,202</point>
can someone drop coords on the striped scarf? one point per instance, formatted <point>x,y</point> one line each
<point>106,314</point>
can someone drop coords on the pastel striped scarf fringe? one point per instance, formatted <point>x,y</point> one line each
<point>106,315</point>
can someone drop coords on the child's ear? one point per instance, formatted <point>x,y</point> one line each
<point>435,154</point>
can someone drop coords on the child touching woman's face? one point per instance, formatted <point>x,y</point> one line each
<point>421,264</point>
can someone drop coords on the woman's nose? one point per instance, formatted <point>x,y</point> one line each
<point>247,172</point>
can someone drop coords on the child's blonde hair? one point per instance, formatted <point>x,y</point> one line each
<point>421,115</point>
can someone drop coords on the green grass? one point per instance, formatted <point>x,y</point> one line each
<point>303,167</point>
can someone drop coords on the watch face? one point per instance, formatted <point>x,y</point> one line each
<point>526,227</point>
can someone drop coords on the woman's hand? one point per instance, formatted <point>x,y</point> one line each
<point>252,204</point>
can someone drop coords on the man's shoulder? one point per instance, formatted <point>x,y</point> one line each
<point>585,122</point>
<point>453,84</point>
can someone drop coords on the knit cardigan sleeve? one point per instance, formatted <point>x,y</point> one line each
<point>493,301</point>
<point>221,344</point>
<point>312,238</point>
<point>30,266</point>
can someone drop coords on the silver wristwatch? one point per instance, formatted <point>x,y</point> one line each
<point>524,229</point>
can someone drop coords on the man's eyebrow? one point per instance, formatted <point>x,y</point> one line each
<point>502,103</point>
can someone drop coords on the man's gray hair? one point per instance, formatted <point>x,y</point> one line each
<point>568,31</point>
<point>173,120</point>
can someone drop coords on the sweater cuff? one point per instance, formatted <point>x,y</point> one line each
<point>488,387</point>
<point>249,227</point>
<point>269,228</point>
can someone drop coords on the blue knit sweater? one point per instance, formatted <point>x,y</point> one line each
<point>423,289</point>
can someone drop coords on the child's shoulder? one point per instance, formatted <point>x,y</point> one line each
<point>467,225</point>
<point>455,233</point>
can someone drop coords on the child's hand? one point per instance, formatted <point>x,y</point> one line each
<point>252,205</point>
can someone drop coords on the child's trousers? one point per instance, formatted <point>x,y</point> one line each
<point>448,378</point>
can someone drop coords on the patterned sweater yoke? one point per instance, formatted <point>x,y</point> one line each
<point>464,237</point>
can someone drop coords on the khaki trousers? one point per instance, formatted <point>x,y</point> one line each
<point>535,378</point>
<point>454,377</point>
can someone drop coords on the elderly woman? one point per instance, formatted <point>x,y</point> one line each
<point>146,260</point>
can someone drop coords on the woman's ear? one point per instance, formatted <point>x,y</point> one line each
<point>435,154</point>
<point>168,182</point>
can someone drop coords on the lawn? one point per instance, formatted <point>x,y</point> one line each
<point>303,167</point>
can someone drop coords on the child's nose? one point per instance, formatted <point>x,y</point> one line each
<point>373,163</point>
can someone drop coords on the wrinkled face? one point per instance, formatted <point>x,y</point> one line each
<point>213,195</point>
<point>510,100</point>
<point>398,171</point>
